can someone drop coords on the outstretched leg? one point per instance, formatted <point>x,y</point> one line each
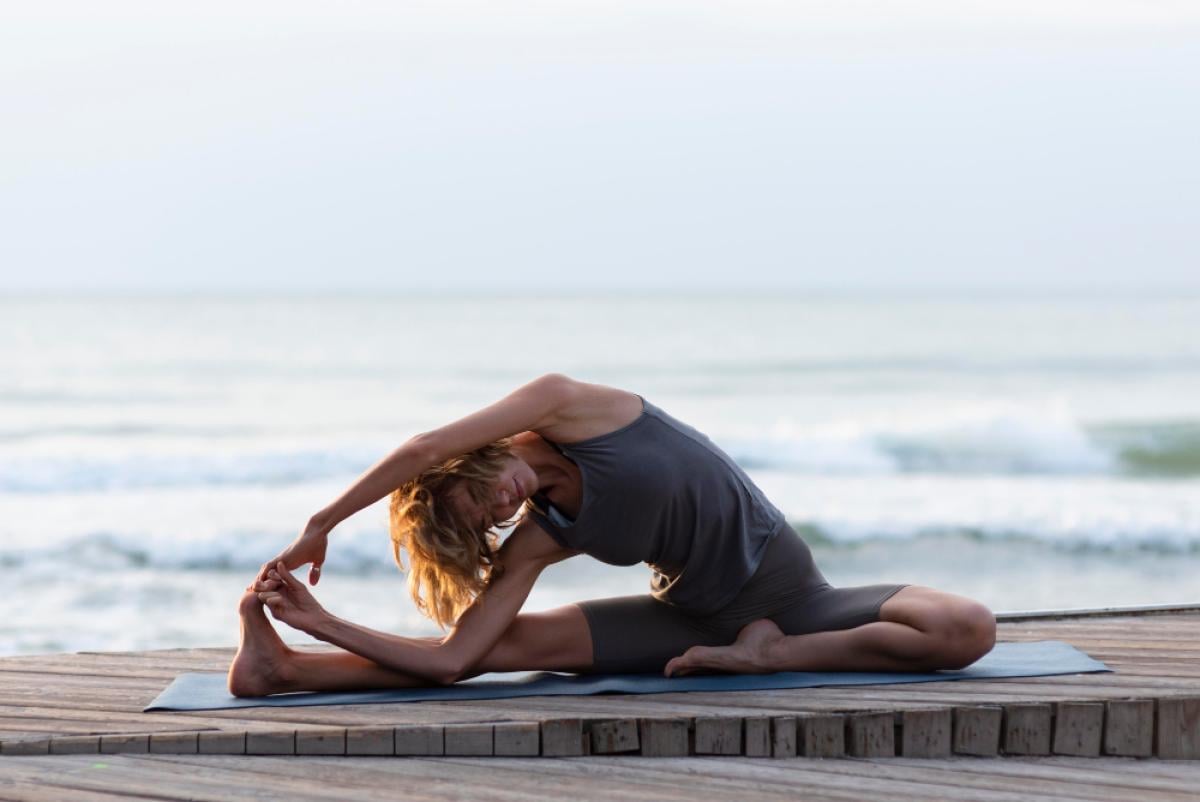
<point>920,629</point>
<point>556,639</point>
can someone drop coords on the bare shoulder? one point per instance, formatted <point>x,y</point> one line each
<point>587,410</point>
<point>554,406</point>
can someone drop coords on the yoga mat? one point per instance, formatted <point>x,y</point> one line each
<point>1034,659</point>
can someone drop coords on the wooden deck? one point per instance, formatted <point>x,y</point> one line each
<point>219,778</point>
<point>55,705</point>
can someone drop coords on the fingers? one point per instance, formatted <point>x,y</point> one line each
<point>314,573</point>
<point>278,604</point>
<point>269,584</point>
<point>266,570</point>
<point>282,573</point>
<point>271,599</point>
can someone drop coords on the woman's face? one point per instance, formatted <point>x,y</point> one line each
<point>507,492</point>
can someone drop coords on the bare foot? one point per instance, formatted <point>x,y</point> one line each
<point>262,664</point>
<point>746,655</point>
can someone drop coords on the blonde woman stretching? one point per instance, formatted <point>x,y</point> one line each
<point>604,472</point>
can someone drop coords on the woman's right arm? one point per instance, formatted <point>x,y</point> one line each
<point>538,404</point>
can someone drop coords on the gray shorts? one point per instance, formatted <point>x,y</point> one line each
<point>635,634</point>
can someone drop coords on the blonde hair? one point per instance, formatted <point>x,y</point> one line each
<point>450,560</point>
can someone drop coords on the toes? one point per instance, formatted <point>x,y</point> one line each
<point>677,666</point>
<point>688,662</point>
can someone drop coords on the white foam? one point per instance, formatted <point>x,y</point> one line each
<point>999,438</point>
<point>1096,511</point>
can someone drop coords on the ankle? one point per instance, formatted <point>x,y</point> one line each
<point>282,671</point>
<point>252,675</point>
<point>768,655</point>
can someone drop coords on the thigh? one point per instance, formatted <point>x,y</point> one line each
<point>640,634</point>
<point>831,608</point>
<point>931,610</point>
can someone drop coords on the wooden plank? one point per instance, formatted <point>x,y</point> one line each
<point>631,778</point>
<point>977,730</point>
<point>1027,729</point>
<point>515,779</point>
<point>791,779</point>
<point>370,741</point>
<point>952,780</point>
<point>1129,728</point>
<point>1078,728</point>
<point>718,735</point>
<point>25,746</point>
<point>147,777</point>
<point>1141,611</point>
<point>634,779</point>
<point>75,745</point>
<point>757,736</point>
<point>419,740</point>
<point>174,743</point>
<point>1178,732</point>
<point>821,735</point>
<point>99,717</point>
<point>43,792</point>
<point>615,736</point>
<point>783,736</point>
<point>468,739</point>
<point>668,705</point>
<point>221,743</point>
<point>271,743</point>
<point>562,737</point>
<point>121,744</point>
<point>1103,777</point>
<point>331,741</point>
<point>516,738</point>
<point>965,694</point>
<point>664,737</point>
<point>871,735</point>
<point>926,733</point>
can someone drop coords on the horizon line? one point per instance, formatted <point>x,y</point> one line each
<point>359,292</point>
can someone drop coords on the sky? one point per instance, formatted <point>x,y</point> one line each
<point>619,145</point>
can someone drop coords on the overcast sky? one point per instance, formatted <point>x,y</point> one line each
<point>618,144</point>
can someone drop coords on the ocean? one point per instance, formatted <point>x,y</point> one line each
<point>1024,449</point>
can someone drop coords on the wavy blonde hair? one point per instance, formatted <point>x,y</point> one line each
<point>450,561</point>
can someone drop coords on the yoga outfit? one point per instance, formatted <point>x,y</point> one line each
<point>660,492</point>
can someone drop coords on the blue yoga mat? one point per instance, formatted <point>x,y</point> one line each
<point>1035,659</point>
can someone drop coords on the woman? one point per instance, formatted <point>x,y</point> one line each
<point>604,472</point>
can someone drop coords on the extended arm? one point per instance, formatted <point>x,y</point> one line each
<point>523,556</point>
<point>531,406</point>
<point>535,405</point>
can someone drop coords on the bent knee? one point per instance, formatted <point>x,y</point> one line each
<point>968,633</point>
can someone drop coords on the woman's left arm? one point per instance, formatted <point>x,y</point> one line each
<point>522,557</point>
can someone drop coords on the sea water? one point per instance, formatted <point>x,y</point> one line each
<point>1029,451</point>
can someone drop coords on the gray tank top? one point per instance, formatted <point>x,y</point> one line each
<point>660,492</point>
